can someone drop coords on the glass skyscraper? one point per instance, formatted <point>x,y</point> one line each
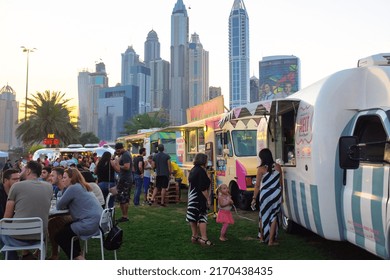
<point>179,64</point>
<point>238,55</point>
<point>152,47</point>
<point>9,111</point>
<point>198,72</point>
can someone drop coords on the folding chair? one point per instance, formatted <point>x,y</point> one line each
<point>105,224</point>
<point>23,226</point>
<point>108,200</point>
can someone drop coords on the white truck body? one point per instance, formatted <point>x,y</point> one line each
<point>349,203</point>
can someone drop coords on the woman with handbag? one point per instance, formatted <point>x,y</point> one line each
<point>106,176</point>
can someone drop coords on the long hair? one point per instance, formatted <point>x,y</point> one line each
<point>76,177</point>
<point>266,159</point>
<point>200,159</point>
<point>106,157</point>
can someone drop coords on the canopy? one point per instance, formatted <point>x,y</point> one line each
<point>99,151</point>
<point>3,154</point>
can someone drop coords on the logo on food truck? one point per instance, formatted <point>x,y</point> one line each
<point>304,133</point>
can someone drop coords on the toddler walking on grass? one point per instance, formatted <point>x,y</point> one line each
<point>224,216</point>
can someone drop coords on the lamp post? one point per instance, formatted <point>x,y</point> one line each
<point>27,50</point>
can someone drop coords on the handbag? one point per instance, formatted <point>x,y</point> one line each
<point>114,238</point>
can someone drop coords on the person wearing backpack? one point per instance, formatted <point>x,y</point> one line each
<point>139,165</point>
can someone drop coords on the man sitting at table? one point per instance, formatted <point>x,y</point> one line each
<point>10,176</point>
<point>57,223</point>
<point>28,198</point>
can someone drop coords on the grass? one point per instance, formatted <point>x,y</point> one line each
<point>158,233</point>
<point>162,233</point>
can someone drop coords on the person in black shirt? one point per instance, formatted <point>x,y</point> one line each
<point>123,166</point>
<point>139,165</point>
<point>199,200</point>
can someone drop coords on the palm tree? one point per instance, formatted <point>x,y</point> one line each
<point>49,113</point>
<point>144,121</point>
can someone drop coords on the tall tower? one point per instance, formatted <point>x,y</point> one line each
<point>136,73</point>
<point>238,55</point>
<point>159,74</point>
<point>9,108</point>
<point>89,85</point>
<point>151,47</point>
<point>98,80</point>
<point>129,60</point>
<point>198,72</point>
<point>85,101</point>
<point>179,64</point>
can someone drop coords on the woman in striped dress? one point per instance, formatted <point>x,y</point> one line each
<point>199,200</point>
<point>269,174</point>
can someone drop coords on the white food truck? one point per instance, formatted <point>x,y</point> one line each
<point>333,140</point>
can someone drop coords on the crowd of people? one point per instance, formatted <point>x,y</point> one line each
<point>82,185</point>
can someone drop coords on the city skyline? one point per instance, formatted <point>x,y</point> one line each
<point>74,35</point>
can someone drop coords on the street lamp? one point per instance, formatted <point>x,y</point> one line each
<point>27,50</point>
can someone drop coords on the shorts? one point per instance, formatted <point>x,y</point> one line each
<point>162,182</point>
<point>124,187</point>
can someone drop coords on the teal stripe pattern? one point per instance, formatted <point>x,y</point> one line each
<point>304,206</point>
<point>295,202</point>
<point>316,209</point>
<point>356,202</point>
<point>376,211</point>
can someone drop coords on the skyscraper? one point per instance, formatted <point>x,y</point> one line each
<point>136,73</point>
<point>9,118</point>
<point>116,105</point>
<point>198,72</point>
<point>85,101</point>
<point>159,85</point>
<point>179,64</point>
<point>99,80</point>
<point>152,47</point>
<point>89,85</point>
<point>159,74</point>
<point>238,55</point>
<point>129,59</point>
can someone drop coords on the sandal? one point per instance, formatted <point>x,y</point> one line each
<point>205,242</point>
<point>195,239</point>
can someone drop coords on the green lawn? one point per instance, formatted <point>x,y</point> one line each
<point>158,233</point>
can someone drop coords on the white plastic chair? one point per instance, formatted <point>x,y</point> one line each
<point>108,200</point>
<point>105,223</point>
<point>23,226</point>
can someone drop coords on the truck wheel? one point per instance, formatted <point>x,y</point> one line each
<point>235,193</point>
<point>287,224</point>
<point>244,201</point>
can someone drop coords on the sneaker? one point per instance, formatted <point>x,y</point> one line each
<point>150,202</point>
<point>122,220</point>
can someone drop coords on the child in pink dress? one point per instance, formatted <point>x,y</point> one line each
<point>224,216</point>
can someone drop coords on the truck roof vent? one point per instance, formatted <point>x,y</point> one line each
<point>382,59</point>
